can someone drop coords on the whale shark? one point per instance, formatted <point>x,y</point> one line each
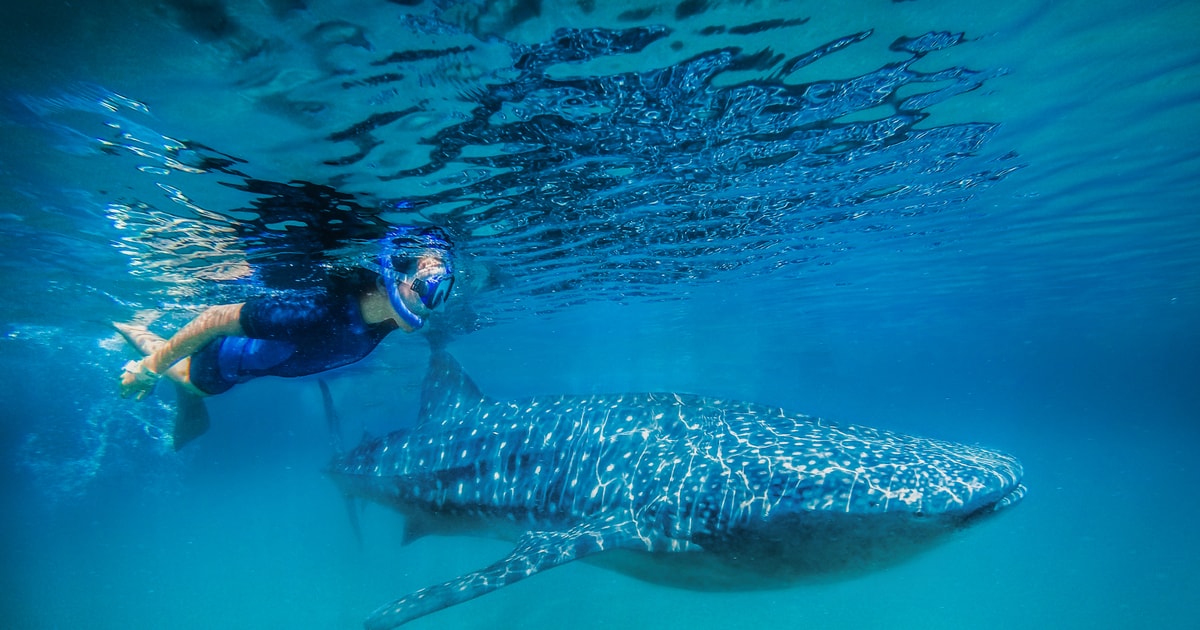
<point>679,489</point>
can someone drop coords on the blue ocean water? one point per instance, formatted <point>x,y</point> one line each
<point>976,223</point>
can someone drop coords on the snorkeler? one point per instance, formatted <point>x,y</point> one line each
<point>293,334</point>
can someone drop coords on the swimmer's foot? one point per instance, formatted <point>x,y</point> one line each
<point>191,416</point>
<point>148,343</point>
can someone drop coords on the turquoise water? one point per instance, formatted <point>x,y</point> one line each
<point>848,211</point>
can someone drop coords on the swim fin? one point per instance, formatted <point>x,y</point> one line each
<point>191,417</point>
<point>335,440</point>
<point>332,421</point>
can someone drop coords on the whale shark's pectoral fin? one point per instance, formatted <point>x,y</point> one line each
<point>536,551</point>
<point>418,526</point>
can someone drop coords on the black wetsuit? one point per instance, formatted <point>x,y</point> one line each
<point>292,335</point>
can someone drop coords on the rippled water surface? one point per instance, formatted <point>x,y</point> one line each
<point>977,223</point>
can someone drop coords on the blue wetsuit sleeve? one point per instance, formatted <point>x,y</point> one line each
<point>285,317</point>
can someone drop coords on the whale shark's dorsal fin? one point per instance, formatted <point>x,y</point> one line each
<point>536,551</point>
<point>447,389</point>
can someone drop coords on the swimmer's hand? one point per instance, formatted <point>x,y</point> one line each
<point>138,380</point>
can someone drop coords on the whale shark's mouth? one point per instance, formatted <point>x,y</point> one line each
<point>986,510</point>
<point>1013,497</point>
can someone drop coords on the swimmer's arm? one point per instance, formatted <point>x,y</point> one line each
<point>216,321</point>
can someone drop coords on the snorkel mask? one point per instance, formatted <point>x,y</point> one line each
<point>432,290</point>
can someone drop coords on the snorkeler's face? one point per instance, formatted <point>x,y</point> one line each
<point>430,284</point>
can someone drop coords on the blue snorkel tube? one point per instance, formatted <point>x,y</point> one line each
<point>432,291</point>
<point>391,286</point>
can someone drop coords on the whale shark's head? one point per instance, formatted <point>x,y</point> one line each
<point>933,479</point>
<point>906,493</point>
<point>831,499</point>
<point>998,479</point>
<point>855,470</point>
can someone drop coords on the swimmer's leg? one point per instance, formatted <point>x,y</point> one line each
<point>191,416</point>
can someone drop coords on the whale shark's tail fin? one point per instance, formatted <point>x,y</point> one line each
<point>447,389</point>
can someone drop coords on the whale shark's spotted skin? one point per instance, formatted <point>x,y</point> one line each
<point>754,488</point>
